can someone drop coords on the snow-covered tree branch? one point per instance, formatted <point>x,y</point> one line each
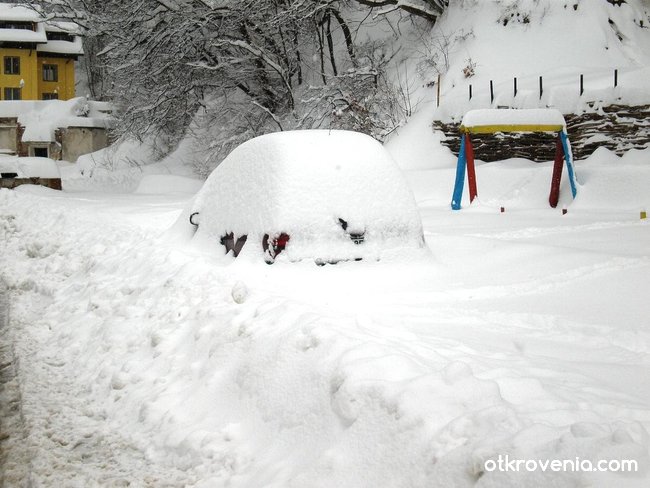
<point>161,61</point>
<point>428,9</point>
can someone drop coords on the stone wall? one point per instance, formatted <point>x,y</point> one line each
<point>618,128</point>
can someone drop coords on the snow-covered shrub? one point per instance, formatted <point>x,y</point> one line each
<point>469,69</point>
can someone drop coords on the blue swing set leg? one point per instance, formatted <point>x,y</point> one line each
<point>460,176</point>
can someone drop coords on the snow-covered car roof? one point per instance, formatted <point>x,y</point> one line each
<point>319,187</point>
<point>30,167</point>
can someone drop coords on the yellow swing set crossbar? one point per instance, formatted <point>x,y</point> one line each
<point>491,129</point>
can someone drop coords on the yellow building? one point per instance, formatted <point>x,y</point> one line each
<point>37,58</point>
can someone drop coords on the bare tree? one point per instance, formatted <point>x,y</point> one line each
<point>246,65</point>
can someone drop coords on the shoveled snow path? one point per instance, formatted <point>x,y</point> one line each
<point>59,439</point>
<point>526,334</point>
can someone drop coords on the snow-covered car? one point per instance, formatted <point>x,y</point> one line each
<point>31,167</point>
<point>321,195</point>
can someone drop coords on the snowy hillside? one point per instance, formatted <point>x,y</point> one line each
<point>558,40</point>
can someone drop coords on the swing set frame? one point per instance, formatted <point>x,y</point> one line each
<point>535,123</point>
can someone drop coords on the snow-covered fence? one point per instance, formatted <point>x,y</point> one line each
<point>596,78</point>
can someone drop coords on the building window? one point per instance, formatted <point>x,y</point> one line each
<point>41,152</point>
<point>12,94</point>
<point>10,24</point>
<point>59,36</point>
<point>50,72</point>
<point>12,65</point>
<point>50,96</point>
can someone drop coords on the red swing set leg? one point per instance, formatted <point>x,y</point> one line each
<point>554,196</point>
<point>471,171</point>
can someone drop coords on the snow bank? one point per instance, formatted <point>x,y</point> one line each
<point>610,182</point>
<point>122,155</point>
<point>416,146</point>
<point>122,166</point>
<point>305,184</point>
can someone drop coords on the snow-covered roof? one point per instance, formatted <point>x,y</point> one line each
<point>63,26</point>
<point>41,118</point>
<point>305,184</point>
<point>20,13</point>
<point>62,47</point>
<point>24,35</point>
<point>510,120</point>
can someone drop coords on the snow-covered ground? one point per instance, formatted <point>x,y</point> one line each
<point>144,362</point>
<point>138,360</point>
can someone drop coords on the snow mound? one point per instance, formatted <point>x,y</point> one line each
<point>319,187</point>
<point>123,155</point>
<point>416,146</point>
